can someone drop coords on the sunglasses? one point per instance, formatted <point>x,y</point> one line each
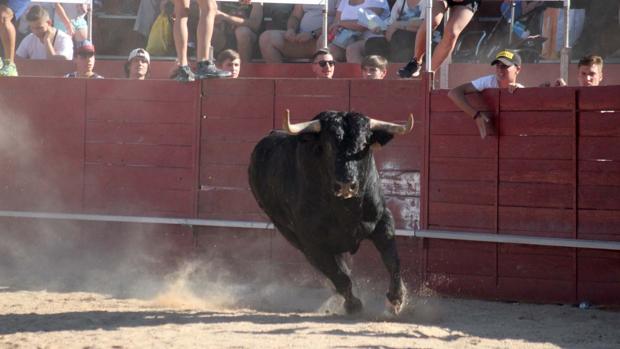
<point>323,64</point>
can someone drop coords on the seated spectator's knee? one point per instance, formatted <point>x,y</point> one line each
<point>244,34</point>
<point>6,15</point>
<point>451,36</point>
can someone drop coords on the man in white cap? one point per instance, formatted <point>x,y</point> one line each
<point>138,64</point>
<point>507,67</point>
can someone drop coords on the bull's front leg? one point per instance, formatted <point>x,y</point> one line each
<point>384,240</point>
<point>335,269</point>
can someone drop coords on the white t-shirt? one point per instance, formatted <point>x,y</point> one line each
<point>312,18</point>
<point>489,81</point>
<point>32,48</point>
<point>349,12</point>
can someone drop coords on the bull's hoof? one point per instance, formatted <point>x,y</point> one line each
<point>396,303</point>
<point>394,308</point>
<point>353,306</point>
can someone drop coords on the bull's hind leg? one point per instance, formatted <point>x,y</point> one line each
<point>336,270</point>
<point>385,242</point>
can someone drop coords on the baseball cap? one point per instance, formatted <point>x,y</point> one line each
<point>84,46</point>
<point>139,52</point>
<point>508,58</point>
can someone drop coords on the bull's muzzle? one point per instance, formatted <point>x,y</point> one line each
<point>346,190</point>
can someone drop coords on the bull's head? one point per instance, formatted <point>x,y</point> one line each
<point>342,145</point>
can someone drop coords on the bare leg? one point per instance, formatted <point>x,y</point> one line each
<point>181,12</point>
<point>208,10</point>
<point>271,43</point>
<point>355,52</point>
<point>246,39</point>
<point>420,39</point>
<point>7,33</point>
<point>460,16</point>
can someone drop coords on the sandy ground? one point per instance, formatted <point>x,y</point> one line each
<point>185,314</point>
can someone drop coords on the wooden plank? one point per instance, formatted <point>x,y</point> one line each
<point>536,171</point>
<point>138,201</point>
<point>461,216</point>
<point>226,153</point>
<point>599,173</point>
<point>599,269</point>
<point>599,197</point>
<point>538,99</point>
<point>462,285</point>
<point>599,225</point>
<point>234,243</point>
<point>453,123</point>
<point>400,183</point>
<point>462,169</point>
<point>149,90</point>
<point>463,147</point>
<point>235,106</point>
<point>227,200</point>
<point>222,175</point>
<point>598,292</point>
<point>312,88</point>
<point>536,123</point>
<point>598,124</point>
<point>544,222</point>
<point>141,111</point>
<point>304,108</point>
<point>599,148</point>
<point>599,98</point>
<point>532,264</point>
<point>239,87</point>
<point>462,262</point>
<point>481,101</point>
<point>536,195</point>
<point>399,158</point>
<point>216,129</point>
<point>532,147</point>
<point>139,133</point>
<point>106,176</point>
<point>140,155</point>
<point>536,290</point>
<point>406,211</point>
<point>462,192</point>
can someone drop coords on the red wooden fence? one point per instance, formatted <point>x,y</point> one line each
<point>163,149</point>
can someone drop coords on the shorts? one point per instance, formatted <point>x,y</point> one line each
<point>470,4</point>
<point>78,23</point>
<point>18,7</point>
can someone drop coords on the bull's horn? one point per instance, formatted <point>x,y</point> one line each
<point>391,127</point>
<point>302,127</point>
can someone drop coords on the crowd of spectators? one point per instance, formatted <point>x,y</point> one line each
<point>367,32</point>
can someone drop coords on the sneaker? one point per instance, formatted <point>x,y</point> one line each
<point>183,74</point>
<point>412,69</point>
<point>208,70</point>
<point>8,69</point>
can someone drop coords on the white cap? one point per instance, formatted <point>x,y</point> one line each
<point>139,52</point>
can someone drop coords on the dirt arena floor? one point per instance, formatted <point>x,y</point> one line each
<point>193,310</point>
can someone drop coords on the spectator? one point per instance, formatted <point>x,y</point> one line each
<point>138,65</point>
<point>301,38</point>
<point>206,68</point>
<point>374,67</point>
<point>10,11</point>
<point>148,10</point>
<point>323,64</point>
<point>589,73</point>
<point>237,26</point>
<point>229,60</point>
<point>71,18</point>
<point>507,67</point>
<point>44,41</point>
<point>160,41</point>
<point>406,18</point>
<point>461,13</point>
<point>350,36</point>
<point>85,61</point>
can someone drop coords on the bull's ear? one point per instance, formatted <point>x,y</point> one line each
<point>380,137</point>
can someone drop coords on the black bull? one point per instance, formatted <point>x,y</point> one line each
<point>319,185</point>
